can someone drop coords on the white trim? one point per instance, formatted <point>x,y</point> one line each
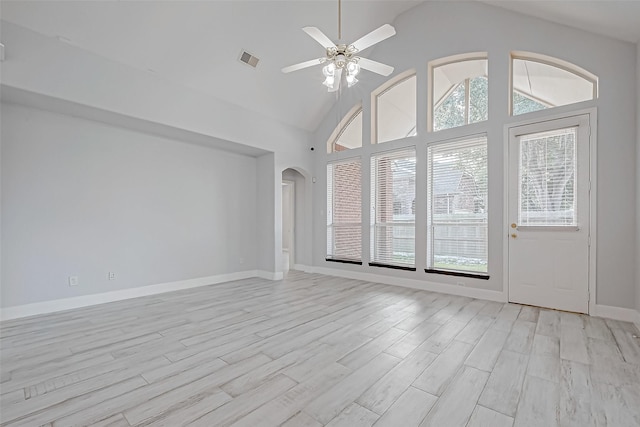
<point>44,307</point>
<point>592,113</point>
<point>269,275</point>
<point>302,267</point>
<point>423,285</point>
<point>615,313</point>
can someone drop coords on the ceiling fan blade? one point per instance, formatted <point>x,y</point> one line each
<point>374,37</point>
<point>302,65</point>
<point>376,67</point>
<point>336,81</point>
<point>319,36</point>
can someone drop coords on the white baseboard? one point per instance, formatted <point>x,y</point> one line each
<point>269,275</point>
<point>302,267</point>
<point>423,285</point>
<point>616,313</point>
<point>88,300</point>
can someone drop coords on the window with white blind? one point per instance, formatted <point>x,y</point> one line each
<point>457,206</point>
<point>344,211</point>
<point>393,193</point>
<point>547,173</point>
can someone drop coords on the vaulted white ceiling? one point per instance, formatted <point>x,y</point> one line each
<point>197,44</point>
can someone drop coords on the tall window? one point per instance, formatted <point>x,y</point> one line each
<point>344,216</point>
<point>395,108</point>
<point>393,193</point>
<point>348,134</point>
<point>540,82</point>
<point>457,205</point>
<point>459,93</point>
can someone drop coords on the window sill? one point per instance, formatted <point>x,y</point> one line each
<point>457,273</point>
<point>344,261</point>
<point>395,267</point>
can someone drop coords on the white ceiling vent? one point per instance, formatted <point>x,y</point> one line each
<point>249,59</point>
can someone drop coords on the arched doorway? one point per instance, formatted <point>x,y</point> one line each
<point>293,205</point>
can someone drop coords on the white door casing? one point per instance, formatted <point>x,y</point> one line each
<point>548,214</point>
<point>288,223</point>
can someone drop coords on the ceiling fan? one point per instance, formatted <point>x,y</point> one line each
<point>345,57</point>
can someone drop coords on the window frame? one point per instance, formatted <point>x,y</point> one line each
<point>429,255</point>
<point>552,62</point>
<point>342,126</point>
<point>436,63</point>
<point>381,90</point>
<point>332,257</point>
<point>373,204</point>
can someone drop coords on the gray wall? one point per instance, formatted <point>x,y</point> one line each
<point>85,198</point>
<point>638,178</point>
<point>424,34</point>
<point>267,229</point>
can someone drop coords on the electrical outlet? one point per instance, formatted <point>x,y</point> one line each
<point>112,275</point>
<point>73,280</point>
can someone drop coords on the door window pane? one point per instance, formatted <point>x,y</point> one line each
<point>547,179</point>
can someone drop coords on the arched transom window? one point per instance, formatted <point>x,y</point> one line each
<point>540,82</point>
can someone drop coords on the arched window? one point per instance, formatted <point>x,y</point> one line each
<point>395,109</point>
<point>459,91</point>
<point>539,82</point>
<point>348,134</point>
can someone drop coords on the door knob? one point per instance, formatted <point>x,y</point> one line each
<point>513,225</point>
<point>514,235</point>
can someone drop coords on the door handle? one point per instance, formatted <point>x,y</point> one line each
<point>513,225</point>
<point>514,235</point>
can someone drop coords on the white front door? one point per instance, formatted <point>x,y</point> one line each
<point>548,214</point>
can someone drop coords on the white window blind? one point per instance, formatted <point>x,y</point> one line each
<point>344,215</point>
<point>457,205</point>
<point>393,193</point>
<point>547,172</point>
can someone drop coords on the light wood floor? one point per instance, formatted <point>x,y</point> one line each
<point>314,350</point>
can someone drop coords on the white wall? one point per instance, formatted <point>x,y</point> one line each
<point>47,66</point>
<point>638,179</point>
<point>56,76</point>
<point>426,33</point>
<point>267,234</point>
<point>85,198</point>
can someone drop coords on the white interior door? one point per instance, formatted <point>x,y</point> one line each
<point>548,214</point>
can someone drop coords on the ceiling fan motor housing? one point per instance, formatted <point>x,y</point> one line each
<point>341,55</point>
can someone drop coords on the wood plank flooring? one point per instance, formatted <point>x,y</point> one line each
<point>315,350</point>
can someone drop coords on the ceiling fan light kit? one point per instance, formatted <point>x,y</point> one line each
<point>344,59</point>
